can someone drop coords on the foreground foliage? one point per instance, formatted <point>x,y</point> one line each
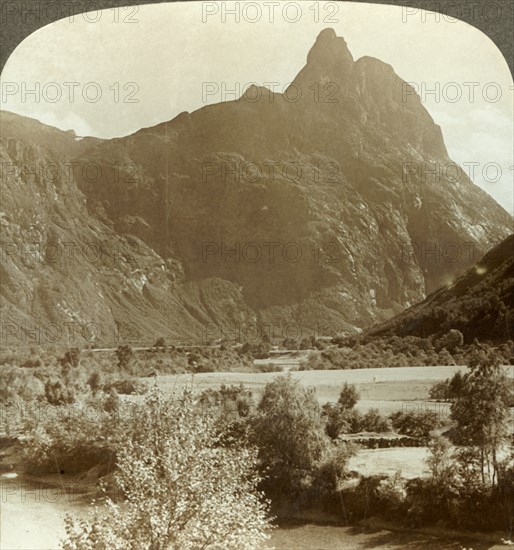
<point>301,464</point>
<point>183,489</point>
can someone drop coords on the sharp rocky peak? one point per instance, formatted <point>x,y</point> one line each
<point>330,48</point>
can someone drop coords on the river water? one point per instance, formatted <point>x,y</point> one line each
<point>32,517</point>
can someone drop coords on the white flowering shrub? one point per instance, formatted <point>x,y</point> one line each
<point>184,490</point>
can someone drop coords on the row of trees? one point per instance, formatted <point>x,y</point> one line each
<point>395,351</point>
<point>343,418</point>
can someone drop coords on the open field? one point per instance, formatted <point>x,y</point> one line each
<point>376,386</point>
<point>386,389</point>
<point>410,461</point>
<point>33,515</point>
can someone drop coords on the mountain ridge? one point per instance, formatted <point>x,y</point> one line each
<point>325,178</point>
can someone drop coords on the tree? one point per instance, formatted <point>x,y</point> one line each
<point>440,391</point>
<point>445,358</point>
<point>481,410</point>
<point>160,343</point>
<point>183,489</point>
<point>124,354</point>
<point>456,385</point>
<point>440,462</point>
<point>373,421</point>
<point>349,396</point>
<point>341,417</point>
<point>448,389</point>
<point>290,436</point>
<point>433,498</point>
<point>452,340</point>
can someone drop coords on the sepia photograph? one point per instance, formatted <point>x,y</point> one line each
<point>256,275</point>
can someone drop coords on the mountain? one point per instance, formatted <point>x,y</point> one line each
<point>480,303</point>
<point>67,278</point>
<point>303,212</point>
<point>23,128</point>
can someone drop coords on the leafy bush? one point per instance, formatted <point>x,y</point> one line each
<point>373,421</point>
<point>204,367</point>
<point>415,423</point>
<point>269,367</point>
<point>70,357</point>
<point>65,385</point>
<point>124,354</point>
<point>72,439</point>
<point>336,420</point>
<point>160,342</point>
<point>372,497</point>
<point>58,392</point>
<point>19,384</point>
<point>127,386</point>
<point>452,340</point>
<point>183,489</point>
<point>232,407</point>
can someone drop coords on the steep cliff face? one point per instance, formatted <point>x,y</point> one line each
<point>69,279</point>
<point>313,208</point>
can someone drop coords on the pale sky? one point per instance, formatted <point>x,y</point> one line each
<point>162,56</point>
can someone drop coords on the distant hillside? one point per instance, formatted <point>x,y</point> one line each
<point>68,144</point>
<point>480,303</point>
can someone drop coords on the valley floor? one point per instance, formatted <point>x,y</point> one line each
<point>34,517</point>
